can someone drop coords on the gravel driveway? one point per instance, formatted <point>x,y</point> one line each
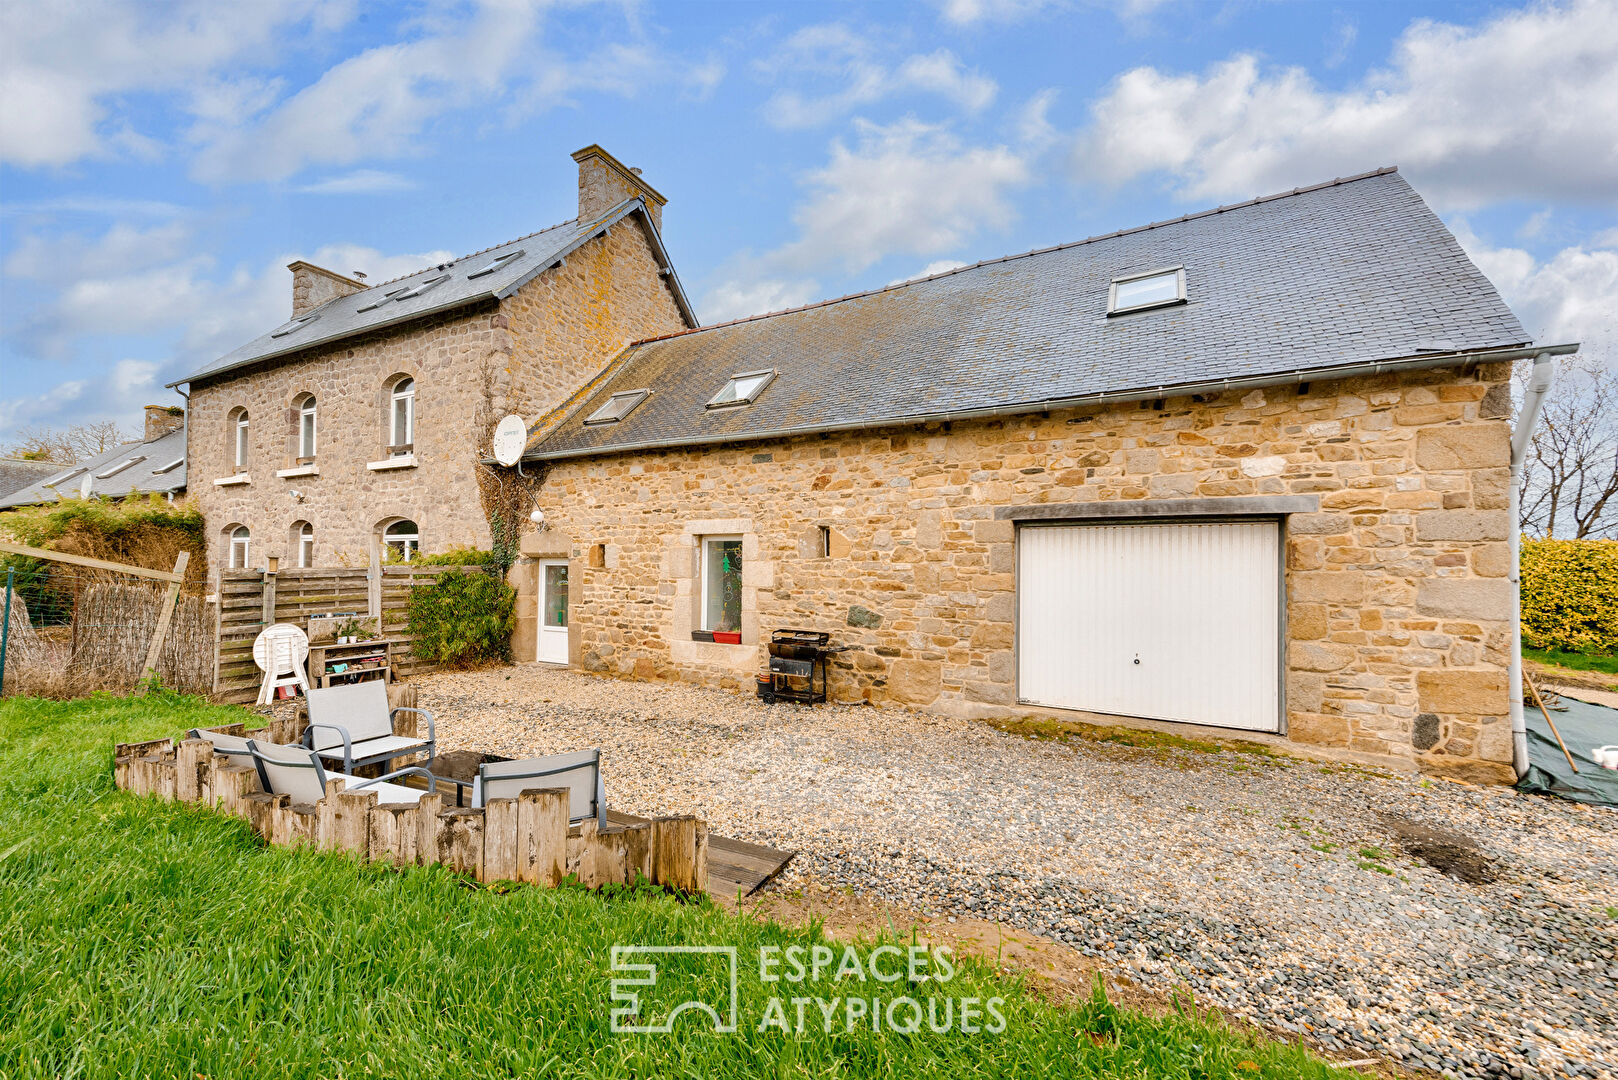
<point>1287,892</point>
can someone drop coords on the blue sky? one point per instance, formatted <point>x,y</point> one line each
<point>161,163</point>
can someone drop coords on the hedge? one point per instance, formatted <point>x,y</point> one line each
<point>463,619</point>
<point>1570,595</point>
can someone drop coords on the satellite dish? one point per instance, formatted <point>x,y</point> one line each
<point>510,439</point>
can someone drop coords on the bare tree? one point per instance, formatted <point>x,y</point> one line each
<point>1570,480</point>
<point>69,445</point>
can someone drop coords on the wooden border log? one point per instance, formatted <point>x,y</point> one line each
<point>191,769</point>
<point>500,840</point>
<point>680,853</point>
<point>393,834</point>
<point>124,756</point>
<point>260,808</point>
<point>542,836</point>
<point>354,821</point>
<point>327,811</point>
<point>299,823</point>
<point>460,841</point>
<point>429,808</point>
<point>235,783</point>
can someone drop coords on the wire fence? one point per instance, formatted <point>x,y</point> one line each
<point>66,632</point>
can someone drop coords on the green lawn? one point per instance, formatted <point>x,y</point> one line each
<point>1607,663</point>
<point>140,938</point>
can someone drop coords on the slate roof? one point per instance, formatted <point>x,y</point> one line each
<point>142,477</point>
<point>447,286</point>
<point>1351,271</point>
<point>18,473</point>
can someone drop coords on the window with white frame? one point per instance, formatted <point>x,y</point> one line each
<point>303,535</point>
<point>240,540</point>
<point>403,540</point>
<point>1154,288</point>
<point>306,428</point>
<point>618,406</point>
<point>239,434</point>
<point>402,418</point>
<point>741,389</point>
<point>722,584</point>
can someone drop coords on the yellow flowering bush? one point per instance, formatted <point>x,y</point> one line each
<point>1570,595</point>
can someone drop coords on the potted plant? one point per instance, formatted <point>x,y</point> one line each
<point>347,631</point>
<point>702,635</point>
<point>726,634</point>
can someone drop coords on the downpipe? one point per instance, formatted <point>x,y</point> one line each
<point>1539,385</point>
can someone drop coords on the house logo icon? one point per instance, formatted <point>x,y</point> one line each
<point>653,985</point>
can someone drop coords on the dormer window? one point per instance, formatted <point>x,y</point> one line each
<point>497,263</point>
<point>618,406</point>
<point>742,389</point>
<point>1155,288</point>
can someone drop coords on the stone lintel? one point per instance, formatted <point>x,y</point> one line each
<point>1236,506</point>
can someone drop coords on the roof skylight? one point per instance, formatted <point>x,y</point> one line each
<point>170,467</point>
<point>741,389</point>
<point>417,290</point>
<point>120,467</point>
<point>495,264</point>
<point>71,474</point>
<point>618,406</point>
<point>1155,288</point>
<point>296,324</point>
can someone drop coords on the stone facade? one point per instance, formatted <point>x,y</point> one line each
<point>525,354</point>
<point>1398,604</point>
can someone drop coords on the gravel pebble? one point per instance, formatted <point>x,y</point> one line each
<point>1272,888</point>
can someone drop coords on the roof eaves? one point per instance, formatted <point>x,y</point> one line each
<point>1227,208</point>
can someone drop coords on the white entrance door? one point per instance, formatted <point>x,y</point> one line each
<point>1166,622</point>
<point>552,647</point>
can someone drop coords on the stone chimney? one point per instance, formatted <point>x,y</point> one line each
<point>163,419</point>
<point>313,285</point>
<point>604,182</point>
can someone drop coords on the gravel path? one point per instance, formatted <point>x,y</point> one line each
<point>1287,892</point>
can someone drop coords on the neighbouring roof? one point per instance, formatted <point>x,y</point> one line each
<point>465,280</point>
<point>18,473</point>
<point>1347,272</point>
<point>157,466</point>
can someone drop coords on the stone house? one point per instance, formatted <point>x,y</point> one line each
<point>1248,468</point>
<point>1245,469</point>
<point>354,430</point>
<point>152,465</point>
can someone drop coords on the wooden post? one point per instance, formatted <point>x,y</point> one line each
<point>329,814</point>
<point>500,840</point>
<point>373,583</point>
<point>164,615</point>
<point>261,813</point>
<point>267,593</point>
<point>542,836</point>
<point>680,853</point>
<point>428,809</point>
<point>354,821</point>
<point>191,768</point>
<point>460,841</point>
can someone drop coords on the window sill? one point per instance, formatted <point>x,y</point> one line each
<point>298,470</point>
<point>406,462</point>
<point>232,481</point>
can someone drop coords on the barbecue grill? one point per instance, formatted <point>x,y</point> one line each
<point>797,657</point>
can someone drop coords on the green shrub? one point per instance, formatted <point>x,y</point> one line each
<point>1570,595</point>
<point>463,618</point>
<point>456,557</point>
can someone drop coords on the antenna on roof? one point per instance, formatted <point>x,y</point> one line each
<point>358,275</point>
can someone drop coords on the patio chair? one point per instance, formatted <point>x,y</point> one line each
<point>297,771</point>
<point>232,746</point>
<point>579,772</point>
<point>352,725</point>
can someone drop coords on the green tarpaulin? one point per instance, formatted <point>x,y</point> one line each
<point>1583,727</point>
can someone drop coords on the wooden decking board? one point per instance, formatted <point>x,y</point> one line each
<point>734,866</point>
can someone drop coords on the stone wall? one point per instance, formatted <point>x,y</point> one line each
<point>315,285</point>
<point>1398,599</point>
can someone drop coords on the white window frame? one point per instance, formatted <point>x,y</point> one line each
<point>308,431</point>
<point>396,445</point>
<point>607,414</point>
<point>306,546</point>
<point>497,263</point>
<point>243,437</point>
<point>768,376</point>
<point>702,557</point>
<point>241,540</point>
<point>1162,271</point>
<point>410,542</point>
<point>120,467</point>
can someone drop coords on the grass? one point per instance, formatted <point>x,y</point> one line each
<point>142,938</point>
<point>1605,663</point>
<point>1049,728</point>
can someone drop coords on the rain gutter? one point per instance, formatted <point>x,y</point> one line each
<point>1540,381</point>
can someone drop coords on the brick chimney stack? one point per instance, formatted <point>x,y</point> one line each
<point>604,182</point>
<point>314,285</point>
<point>163,419</point>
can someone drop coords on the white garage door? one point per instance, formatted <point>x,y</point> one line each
<point>1168,622</point>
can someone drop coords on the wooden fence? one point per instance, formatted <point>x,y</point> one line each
<point>250,600</point>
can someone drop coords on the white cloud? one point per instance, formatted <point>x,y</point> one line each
<point>46,409</point>
<point>847,69</point>
<point>973,12</point>
<point>938,266</point>
<point>1572,296</point>
<point>1518,106</point>
<point>359,182</point>
<point>741,296</point>
<point>129,376</point>
<point>122,249</point>
<point>61,63</point>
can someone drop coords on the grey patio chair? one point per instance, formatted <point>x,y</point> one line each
<point>353,725</point>
<point>297,771</point>
<point>232,746</point>
<point>579,772</point>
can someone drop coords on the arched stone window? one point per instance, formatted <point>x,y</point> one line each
<point>402,540</point>
<point>400,420</point>
<point>301,544</point>
<point>304,428</point>
<point>238,439</point>
<point>238,543</point>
